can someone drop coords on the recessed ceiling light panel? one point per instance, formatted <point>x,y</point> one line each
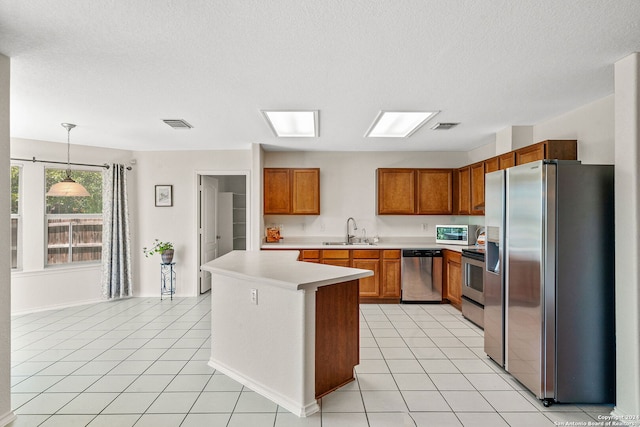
<point>293,124</point>
<point>398,124</point>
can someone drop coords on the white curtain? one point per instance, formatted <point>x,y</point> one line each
<point>116,239</point>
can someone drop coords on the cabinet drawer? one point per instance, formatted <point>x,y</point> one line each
<point>391,254</point>
<point>310,253</point>
<point>366,254</point>
<point>338,262</point>
<point>335,253</point>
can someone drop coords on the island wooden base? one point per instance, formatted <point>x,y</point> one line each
<point>337,336</point>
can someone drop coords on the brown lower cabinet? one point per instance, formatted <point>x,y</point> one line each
<point>390,283</point>
<point>368,260</point>
<point>382,287</point>
<point>452,280</point>
<point>385,284</point>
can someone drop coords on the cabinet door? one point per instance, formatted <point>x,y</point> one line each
<point>453,277</point>
<point>390,274</point>
<point>338,262</point>
<point>305,191</point>
<point>277,191</point>
<point>464,189</point>
<point>369,286</point>
<point>491,165</point>
<point>530,154</point>
<point>435,191</point>
<point>561,149</point>
<point>396,191</point>
<point>477,188</point>
<point>507,160</point>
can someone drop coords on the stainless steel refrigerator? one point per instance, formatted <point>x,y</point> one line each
<point>494,220</point>
<point>551,263</point>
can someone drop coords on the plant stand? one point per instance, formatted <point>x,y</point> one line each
<point>167,279</point>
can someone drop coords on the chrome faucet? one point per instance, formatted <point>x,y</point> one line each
<point>355,227</point>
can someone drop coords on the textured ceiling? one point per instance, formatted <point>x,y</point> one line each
<point>116,68</point>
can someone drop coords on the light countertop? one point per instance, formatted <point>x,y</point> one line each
<point>281,269</point>
<point>385,243</point>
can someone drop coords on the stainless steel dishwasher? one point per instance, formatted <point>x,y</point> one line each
<point>421,275</point>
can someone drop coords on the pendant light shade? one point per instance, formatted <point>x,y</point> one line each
<point>68,187</point>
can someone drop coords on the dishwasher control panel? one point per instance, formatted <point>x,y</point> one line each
<point>412,253</point>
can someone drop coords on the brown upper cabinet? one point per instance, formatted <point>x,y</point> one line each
<point>561,149</point>
<point>507,160</point>
<point>477,171</point>
<point>491,165</point>
<point>463,191</point>
<point>415,192</point>
<point>396,191</point>
<point>435,195</point>
<point>469,183</point>
<point>277,191</point>
<point>291,191</point>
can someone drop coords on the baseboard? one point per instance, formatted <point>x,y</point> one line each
<point>296,408</point>
<point>7,418</point>
<point>621,418</point>
<point>56,307</point>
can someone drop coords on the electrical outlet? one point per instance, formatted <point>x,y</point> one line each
<point>425,227</point>
<point>254,296</point>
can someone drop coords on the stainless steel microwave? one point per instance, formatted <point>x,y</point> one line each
<point>456,234</point>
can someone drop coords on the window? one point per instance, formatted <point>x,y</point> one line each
<point>74,224</point>
<point>15,217</point>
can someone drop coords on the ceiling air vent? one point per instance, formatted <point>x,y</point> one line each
<point>444,126</point>
<point>178,123</point>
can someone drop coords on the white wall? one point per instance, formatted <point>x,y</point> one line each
<point>256,228</point>
<point>482,153</point>
<point>592,125</point>
<point>627,235</point>
<point>6,415</point>
<point>36,286</point>
<point>177,223</point>
<point>348,189</point>
<point>513,137</point>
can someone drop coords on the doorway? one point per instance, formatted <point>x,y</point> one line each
<point>222,219</point>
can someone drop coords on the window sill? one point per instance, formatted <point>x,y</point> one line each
<point>57,269</point>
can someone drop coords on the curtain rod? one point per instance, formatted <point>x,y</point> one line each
<point>33,160</point>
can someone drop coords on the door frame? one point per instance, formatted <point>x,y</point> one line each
<point>196,221</point>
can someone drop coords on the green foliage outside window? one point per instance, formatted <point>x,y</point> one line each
<point>15,188</point>
<point>91,180</point>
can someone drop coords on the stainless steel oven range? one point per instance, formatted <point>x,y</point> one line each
<point>473,285</point>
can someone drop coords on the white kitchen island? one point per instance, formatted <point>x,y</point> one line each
<point>286,329</point>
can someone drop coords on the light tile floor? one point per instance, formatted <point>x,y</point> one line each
<point>143,362</point>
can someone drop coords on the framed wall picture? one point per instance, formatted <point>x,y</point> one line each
<point>164,195</point>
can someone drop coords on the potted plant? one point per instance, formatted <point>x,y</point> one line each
<point>165,249</point>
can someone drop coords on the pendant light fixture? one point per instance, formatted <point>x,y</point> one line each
<point>68,187</point>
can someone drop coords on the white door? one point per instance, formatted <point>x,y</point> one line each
<point>208,227</point>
